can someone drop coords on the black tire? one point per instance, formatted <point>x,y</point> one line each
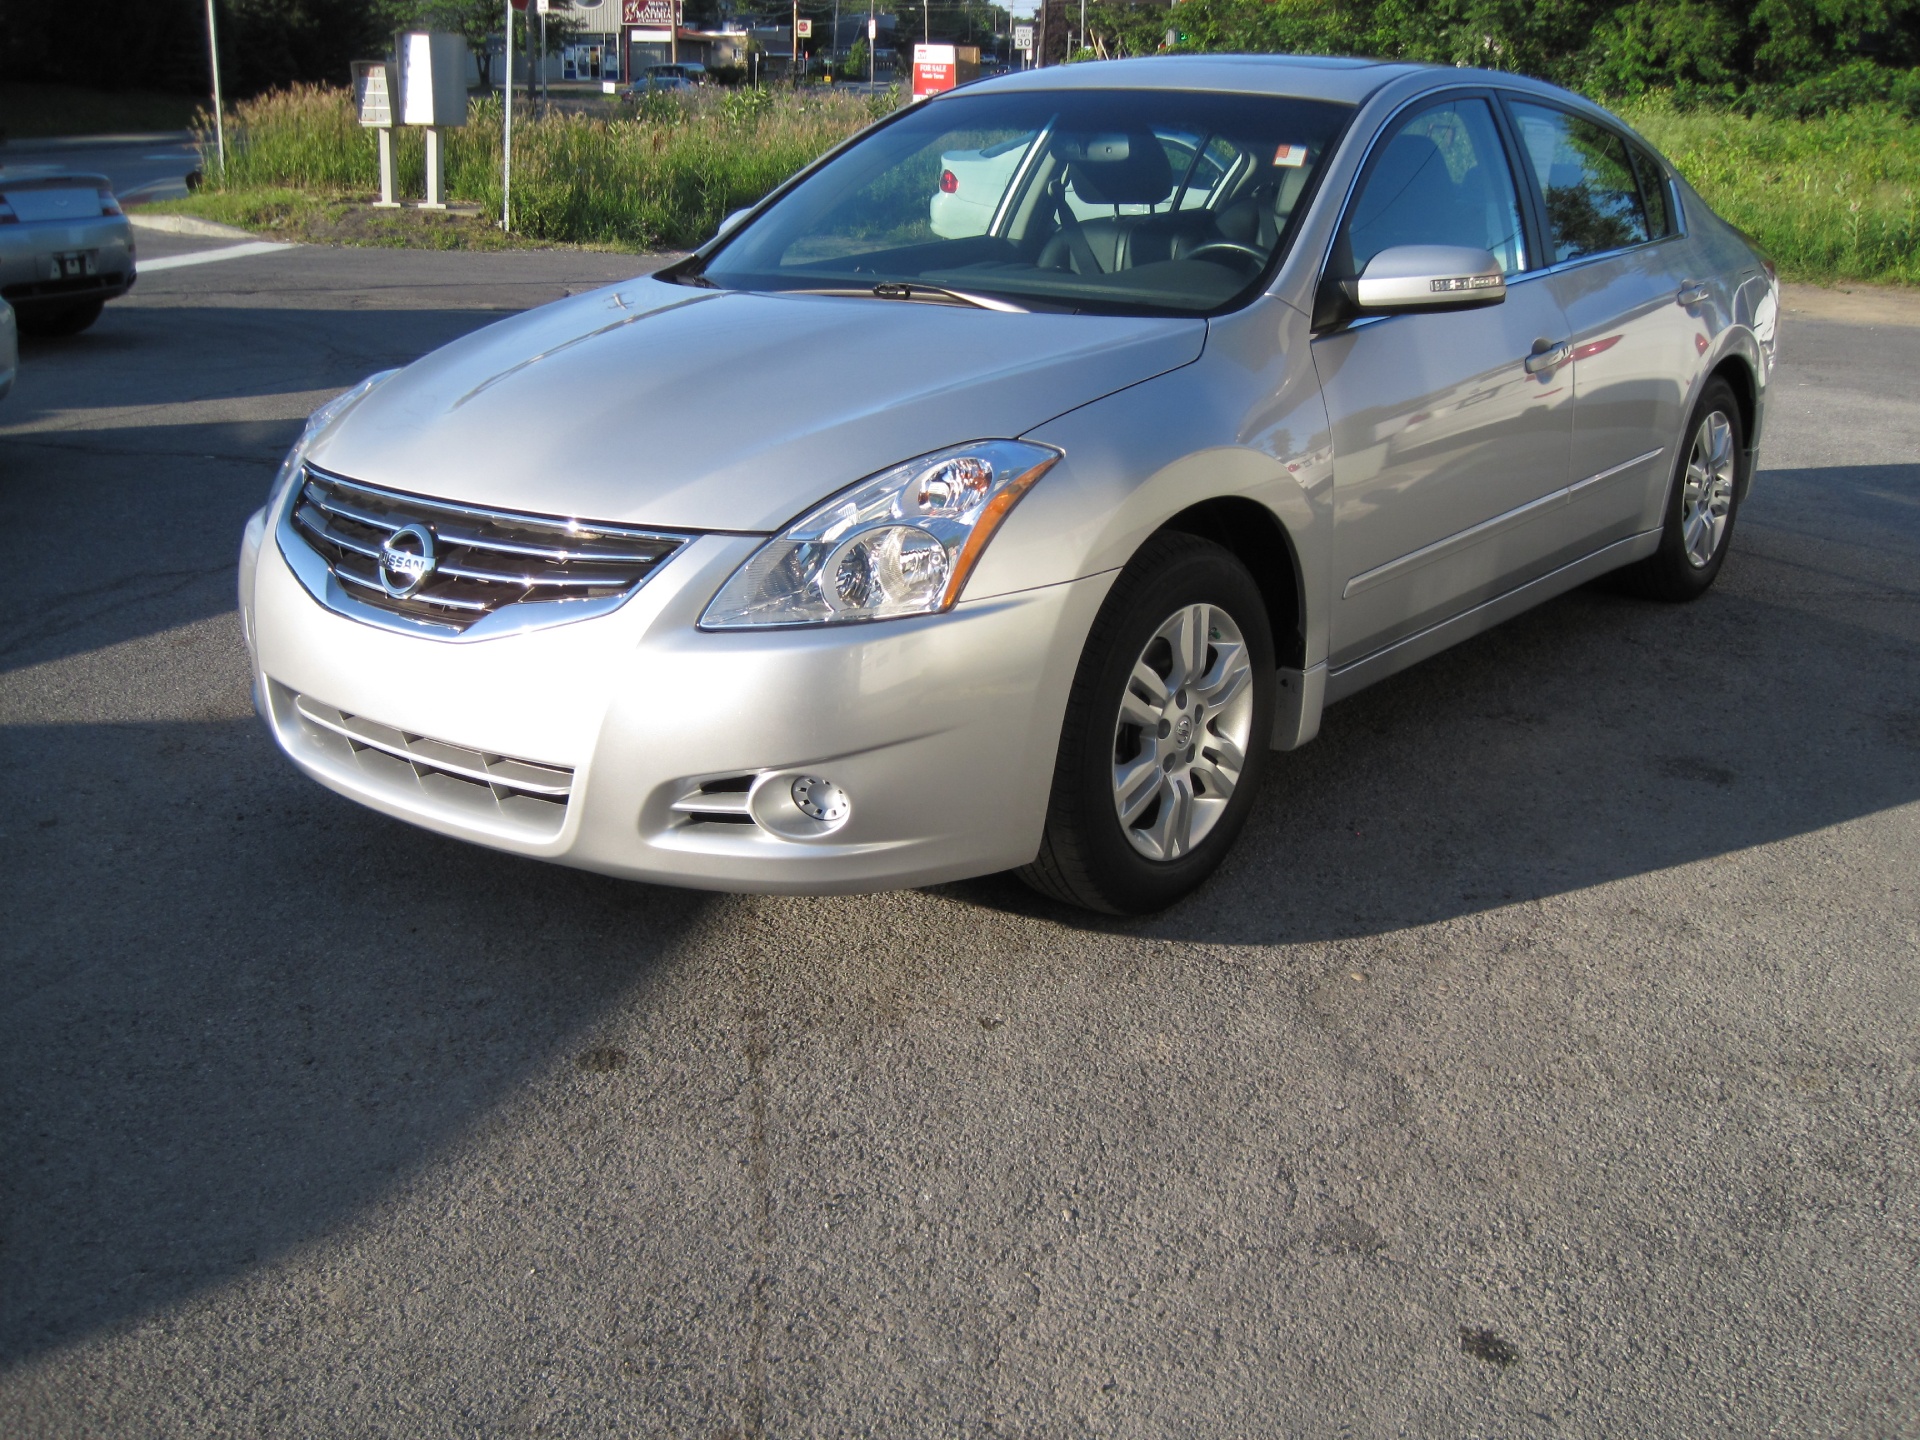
<point>1086,858</point>
<point>50,322</point>
<point>1671,573</point>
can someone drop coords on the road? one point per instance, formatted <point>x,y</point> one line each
<point>142,168</point>
<point>1542,1063</point>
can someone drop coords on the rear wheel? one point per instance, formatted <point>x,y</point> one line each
<point>55,320</point>
<point>1701,504</point>
<point>1165,736</point>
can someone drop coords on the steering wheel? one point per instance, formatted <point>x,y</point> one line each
<point>1248,253</point>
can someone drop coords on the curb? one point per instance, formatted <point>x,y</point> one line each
<point>187,225</point>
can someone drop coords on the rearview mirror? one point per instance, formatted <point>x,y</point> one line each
<point>732,220</point>
<point>1406,278</point>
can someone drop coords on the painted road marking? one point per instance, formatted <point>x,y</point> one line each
<point>207,257</point>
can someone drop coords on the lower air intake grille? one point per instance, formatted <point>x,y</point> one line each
<point>521,796</point>
<point>445,567</point>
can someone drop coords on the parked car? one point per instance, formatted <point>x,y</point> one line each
<point>652,84</point>
<point>9,350</point>
<point>65,249</point>
<point>1028,546</point>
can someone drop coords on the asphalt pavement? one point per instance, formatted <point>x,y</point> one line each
<point>1543,1062</point>
<point>142,167</point>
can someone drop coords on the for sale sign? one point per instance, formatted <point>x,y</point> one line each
<point>935,68</point>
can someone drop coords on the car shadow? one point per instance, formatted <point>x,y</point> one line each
<point>153,490</point>
<point>239,1009</point>
<point>1596,738</point>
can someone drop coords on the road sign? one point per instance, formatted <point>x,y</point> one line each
<point>1023,37</point>
<point>805,29</point>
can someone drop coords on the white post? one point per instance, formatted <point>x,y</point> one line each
<point>506,132</point>
<point>436,171</point>
<point>219,125</point>
<point>386,200</point>
<point>545,98</point>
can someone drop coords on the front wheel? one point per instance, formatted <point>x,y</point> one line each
<point>1166,732</point>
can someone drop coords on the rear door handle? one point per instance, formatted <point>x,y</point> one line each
<point>1548,355</point>
<point>1692,292</point>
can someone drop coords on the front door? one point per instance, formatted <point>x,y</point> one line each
<point>1451,430</point>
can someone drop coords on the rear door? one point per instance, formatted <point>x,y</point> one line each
<point>1450,449</point>
<point>1617,266</point>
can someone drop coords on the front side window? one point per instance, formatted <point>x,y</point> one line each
<point>1587,180</point>
<point>1147,201</point>
<point>1440,178</point>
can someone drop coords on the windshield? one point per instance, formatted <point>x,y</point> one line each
<point>1141,201</point>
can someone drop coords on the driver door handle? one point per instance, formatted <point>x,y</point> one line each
<point>1548,355</point>
<point>1692,292</point>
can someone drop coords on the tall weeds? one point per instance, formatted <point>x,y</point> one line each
<point>662,178</point>
<point>1830,197</point>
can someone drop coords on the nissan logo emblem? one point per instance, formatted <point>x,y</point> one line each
<point>406,560</point>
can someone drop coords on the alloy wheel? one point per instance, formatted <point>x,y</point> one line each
<point>1707,497</point>
<point>1180,740</point>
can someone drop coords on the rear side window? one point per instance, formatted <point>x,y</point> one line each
<point>1586,176</point>
<point>1441,178</point>
<point>1653,190</point>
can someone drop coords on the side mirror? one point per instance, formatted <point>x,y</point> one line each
<point>1407,278</point>
<point>732,220</point>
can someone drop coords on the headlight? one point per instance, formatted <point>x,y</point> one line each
<point>316,422</point>
<point>901,543</point>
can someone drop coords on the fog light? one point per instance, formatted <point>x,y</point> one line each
<point>820,799</point>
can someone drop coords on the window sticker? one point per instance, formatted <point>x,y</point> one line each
<point>1290,157</point>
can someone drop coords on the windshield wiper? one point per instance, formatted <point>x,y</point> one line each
<point>902,290</point>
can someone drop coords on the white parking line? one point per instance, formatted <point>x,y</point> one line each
<point>207,257</point>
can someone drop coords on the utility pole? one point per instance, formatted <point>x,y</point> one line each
<point>219,124</point>
<point>544,98</point>
<point>506,131</point>
<point>793,62</point>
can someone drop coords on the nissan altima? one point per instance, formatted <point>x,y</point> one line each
<point>906,549</point>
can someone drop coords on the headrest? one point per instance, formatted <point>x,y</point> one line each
<point>1120,170</point>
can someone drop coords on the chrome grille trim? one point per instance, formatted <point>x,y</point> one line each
<point>526,799</point>
<point>497,572</point>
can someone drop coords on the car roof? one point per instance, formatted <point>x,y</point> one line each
<point>1346,79</point>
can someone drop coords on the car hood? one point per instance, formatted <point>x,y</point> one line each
<point>655,404</point>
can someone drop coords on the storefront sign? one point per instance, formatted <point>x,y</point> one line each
<point>654,14</point>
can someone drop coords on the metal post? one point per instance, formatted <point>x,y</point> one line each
<point>386,200</point>
<point>793,62</point>
<point>673,35</point>
<point>871,28</point>
<point>219,125</point>
<point>833,49</point>
<point>506,133</point>
<point>545,99</point>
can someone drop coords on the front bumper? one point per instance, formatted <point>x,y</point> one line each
<point>637,745</point>
<point>26,261</point>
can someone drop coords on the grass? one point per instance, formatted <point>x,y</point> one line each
<point>661,178</point>
<point>1835,197</point>
<point>1832,198</point>
<point>31,111</point>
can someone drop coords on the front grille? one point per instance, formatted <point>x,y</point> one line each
<point>521,796</point>
<point>483,560</point>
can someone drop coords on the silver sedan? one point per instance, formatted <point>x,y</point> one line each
<point>856,552</point>
<point>65,248</point>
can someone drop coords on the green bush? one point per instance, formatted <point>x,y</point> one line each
<point>1831,196</point>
